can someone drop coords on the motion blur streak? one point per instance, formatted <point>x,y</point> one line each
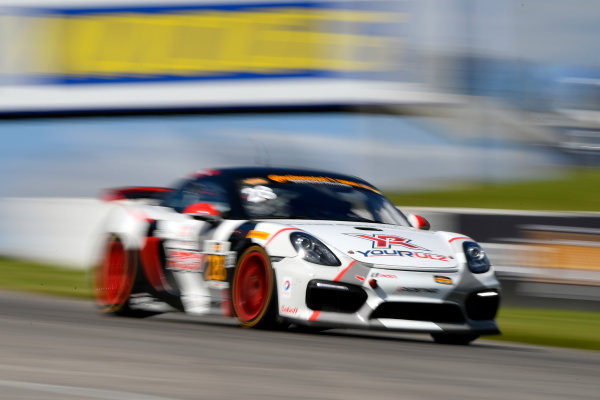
<point>76,391</point>
<point>169,42</point>
<point>56,342</point>
<point>410,94</point>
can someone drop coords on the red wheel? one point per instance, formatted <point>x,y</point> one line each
<point>252,288</point>
<point>114,276</point>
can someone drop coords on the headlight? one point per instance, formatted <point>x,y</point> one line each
<point>312,250</point>
<point>476,258</point>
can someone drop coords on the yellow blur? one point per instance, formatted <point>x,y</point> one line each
<point>200,43</point>
<point>579,251</point>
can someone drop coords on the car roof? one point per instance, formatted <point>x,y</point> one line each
<point>246,172</point>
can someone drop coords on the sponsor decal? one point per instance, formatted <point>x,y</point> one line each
<point>218,258</point>
<point>184,260</point>
<point>320,179</point>
<point>386,245</point>
<point>287,287</point>
<point>289,310</point>
<point>403,253</point>
<point>187,232</point>
<point>380,275</point>
<point>383,241</point>
<point>258,194</point>
<point>404,289</point>
<point>443,280</point>
<point>257,40</point>
<point>257,235</point>
<point>216,247</point>
<point>255,181</point>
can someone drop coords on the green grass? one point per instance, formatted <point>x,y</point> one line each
<point>573,329</point>
<point>35,277</point>
<point>578,190</point>
<point>542,327</point>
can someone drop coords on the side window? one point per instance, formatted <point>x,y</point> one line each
<point>205,190</point>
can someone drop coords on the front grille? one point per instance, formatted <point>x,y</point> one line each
<point>482,308</point>
<point>334,296</point>
<point>443,313</point>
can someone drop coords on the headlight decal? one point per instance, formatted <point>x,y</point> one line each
<point>459,238</point>
<point>476,258</point>
<point>273,236</point>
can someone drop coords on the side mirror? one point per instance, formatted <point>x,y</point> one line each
<point>203,211</point>
<point>418,222</point>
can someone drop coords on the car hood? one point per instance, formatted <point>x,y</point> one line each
<point>392,246</point>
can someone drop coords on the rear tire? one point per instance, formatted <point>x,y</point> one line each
<point>114,280</point>
<point>253,290</point>
<point>457,339</point>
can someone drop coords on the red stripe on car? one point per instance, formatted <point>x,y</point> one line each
<point>314,316</point>
<point>278,232</point>
<point>337,278</point>
<point>458,238</point>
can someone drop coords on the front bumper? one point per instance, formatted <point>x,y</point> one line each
<point>411,301</point>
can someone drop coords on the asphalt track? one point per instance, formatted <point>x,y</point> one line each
<point>62,349</point>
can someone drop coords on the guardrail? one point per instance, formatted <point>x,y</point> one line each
<point>543,259</point>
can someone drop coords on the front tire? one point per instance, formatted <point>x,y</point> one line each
<point>253,290</point>
<point>457,339</point>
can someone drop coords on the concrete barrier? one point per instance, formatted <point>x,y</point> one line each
<point>61,231</point>
<point>66,231</point>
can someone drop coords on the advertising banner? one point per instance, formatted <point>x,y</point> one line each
<point>73,55</point>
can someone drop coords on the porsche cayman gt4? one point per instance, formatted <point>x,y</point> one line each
<point>278,247</point>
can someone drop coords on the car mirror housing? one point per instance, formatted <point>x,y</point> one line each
<point>419,222</point>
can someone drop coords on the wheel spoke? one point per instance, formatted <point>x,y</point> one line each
<point>113,278</point>
<point>251,287</point>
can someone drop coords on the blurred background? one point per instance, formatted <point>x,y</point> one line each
<point>412,95</point>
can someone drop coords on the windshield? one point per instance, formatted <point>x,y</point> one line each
<point>205,190</point>
<point>335,199</point>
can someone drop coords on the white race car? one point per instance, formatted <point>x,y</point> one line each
<point>275,247</point>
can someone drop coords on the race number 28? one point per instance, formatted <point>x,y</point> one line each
<point>215,268</point>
